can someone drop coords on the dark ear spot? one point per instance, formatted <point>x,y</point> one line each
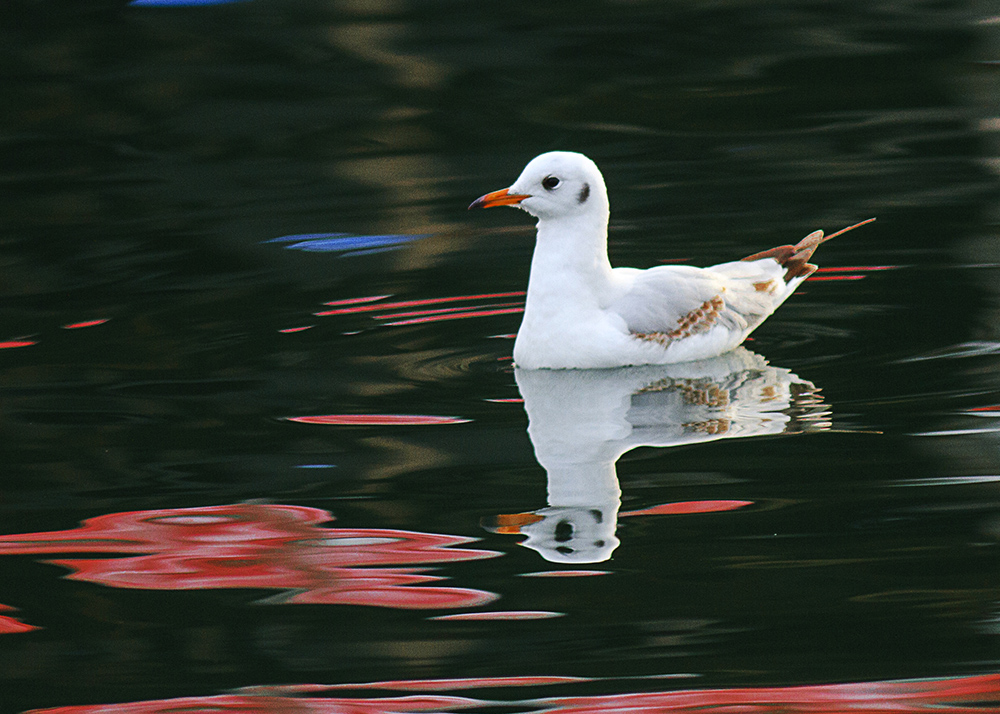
<point>584,193</point>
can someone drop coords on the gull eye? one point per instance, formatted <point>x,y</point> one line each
<point>550,182</point>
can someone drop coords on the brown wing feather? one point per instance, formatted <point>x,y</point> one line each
<point>795,258</point>
<point>698,320</point>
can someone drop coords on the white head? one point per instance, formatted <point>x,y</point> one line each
<point>565,534</point>
<point>559,184</point>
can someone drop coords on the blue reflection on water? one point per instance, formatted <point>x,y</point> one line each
<point>343,242</point>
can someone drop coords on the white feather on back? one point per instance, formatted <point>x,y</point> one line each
<point>660,299</point>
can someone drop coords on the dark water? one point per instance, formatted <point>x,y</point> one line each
<point>193,516</point>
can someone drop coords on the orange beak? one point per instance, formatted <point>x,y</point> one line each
<point>498,198</point>
<point>510,523</point>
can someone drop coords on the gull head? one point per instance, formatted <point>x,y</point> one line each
<point>558,184</point>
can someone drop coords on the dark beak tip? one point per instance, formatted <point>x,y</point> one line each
<point>481,202</point>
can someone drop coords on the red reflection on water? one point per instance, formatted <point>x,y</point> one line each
<point>253,704</point>
<point>409,303</point>
<point>260,546</point>
<point>565,573</point>
<point>511,615</point>
<point>378,419</point>
<point>418,685</point>
<point>847,272</point>
<point>16,343</point>
<point>458,316</point>
<point>824,278</point>
<point>951,696</point>
<point>398,313</point>
<point>355,301</point>
<point>688,507</point>
<point>11,625</point>
<point>959,695</point>
<point>444,311</point>
<point>86,323</point>
<point>855,268</point>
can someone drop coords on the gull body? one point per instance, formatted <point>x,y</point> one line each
<point>582,313</point>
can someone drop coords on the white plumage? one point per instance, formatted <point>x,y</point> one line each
<point>582,313</point>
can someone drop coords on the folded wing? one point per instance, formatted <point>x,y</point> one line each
<point>667,303</point>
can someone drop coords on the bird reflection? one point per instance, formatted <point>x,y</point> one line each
<point>581,422</point>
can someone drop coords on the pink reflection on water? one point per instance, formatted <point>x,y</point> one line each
<point>951,696</point>
<point>847,272</point>
<point>11,625</point>
<point>424,685</point>
<point>509,615</point>
<point>445,311</point>
<point>682,507</point>
<point>378,419</point>
<point>262,547</point>
<point>357,300</point>
<point>855,268</point>
<point>237,704</point>
<point>26,342</point>
<point>958,695</point>
<point>458,316</point>
<point>16,343</point>
<point>829,278</point>
<point>565,573</point>
<point>346,307</point>
<point>993,410</point>
<point>86,323</point>
<point>399,312</point>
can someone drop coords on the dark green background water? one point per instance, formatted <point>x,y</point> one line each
<point>147,155</point>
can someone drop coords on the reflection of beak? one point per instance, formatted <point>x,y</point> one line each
<point>510,524</point>
<point>503,197</point>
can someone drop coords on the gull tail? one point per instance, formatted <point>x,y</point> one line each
<point>795,258</point>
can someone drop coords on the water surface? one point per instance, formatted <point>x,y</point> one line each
<point>264,443</point>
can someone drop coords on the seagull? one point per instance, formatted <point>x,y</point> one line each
<point>580,313</point>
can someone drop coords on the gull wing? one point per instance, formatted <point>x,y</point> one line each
<point>672,302</point>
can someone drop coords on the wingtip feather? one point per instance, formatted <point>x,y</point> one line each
<point>795,258</point>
